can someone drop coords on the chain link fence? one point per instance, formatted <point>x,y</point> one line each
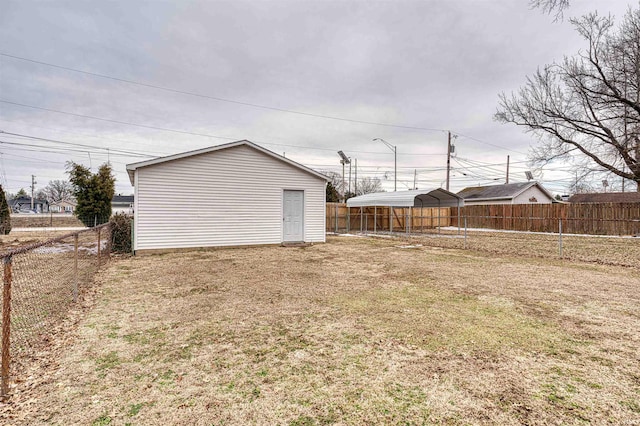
<point>534,236</point>
<point>41,283</point>
<point>55,220</point>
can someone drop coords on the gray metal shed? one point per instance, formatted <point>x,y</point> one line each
<point>413,198</point>
<point>434,197</point>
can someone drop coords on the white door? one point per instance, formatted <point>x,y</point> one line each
<point>293,215</point>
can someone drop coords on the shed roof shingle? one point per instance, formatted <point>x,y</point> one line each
<point>505,191</point>
<point>606,197</point>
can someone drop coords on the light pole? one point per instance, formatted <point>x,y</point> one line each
<point>345,160</point>
<point>395,161</point>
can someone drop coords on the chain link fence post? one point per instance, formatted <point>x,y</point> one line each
<point>6,326</point>
<point>99,229</point>
<point>560,237</point>
<point>465,232</point>
<point>75,268</point>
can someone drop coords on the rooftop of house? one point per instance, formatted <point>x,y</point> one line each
<point>606,197</point>
<point>125,199</point>
<point>505,191</point>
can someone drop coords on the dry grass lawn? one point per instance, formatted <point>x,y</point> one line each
<point>358,331</point>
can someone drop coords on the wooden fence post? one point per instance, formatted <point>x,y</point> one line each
<point>6,326</point>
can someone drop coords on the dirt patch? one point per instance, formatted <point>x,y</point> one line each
<point>355,331</point>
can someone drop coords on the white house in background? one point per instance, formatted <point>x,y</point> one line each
<point>122,204</point>
<point>510,193</point>
<point>228,195</point>
<point>64,206</point>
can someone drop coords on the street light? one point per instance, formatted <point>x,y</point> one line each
<point>345,160</point>
<point>395,161</point>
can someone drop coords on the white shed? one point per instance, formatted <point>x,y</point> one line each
<point>228,195</point>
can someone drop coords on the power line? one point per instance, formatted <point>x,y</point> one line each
<point>62,150</point>
<point>216,98</point>
<point>489,143</point>
<point>249,104</point>
<point>22,123</point>
<point>190,133</point>
<point>131,153</point>
<point>29,159</point>
<point>108,120</point>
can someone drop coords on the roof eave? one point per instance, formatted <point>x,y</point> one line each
<point>131,168</point>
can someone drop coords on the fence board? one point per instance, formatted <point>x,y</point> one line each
<point>587,218</point>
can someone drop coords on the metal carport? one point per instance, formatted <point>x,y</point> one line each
<point>437,197</point>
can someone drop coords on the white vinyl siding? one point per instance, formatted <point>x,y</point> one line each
<point>228,197</point>
<point>533,192</point>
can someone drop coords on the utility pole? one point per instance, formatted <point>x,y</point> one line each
<point>415,175</point>
<point>345,160</point>
<point>33,188</point>
<point>355,182</point>
<point>448,159</point>
<point>393,148</point>
<point>507,169</point>
<point>349,175</point>
<point>395,168</point>
<point>343,182</point>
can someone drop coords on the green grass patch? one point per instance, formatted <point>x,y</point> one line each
<point>107,361</point>
<point>437,319</point>
<point>103,420</point>
<point>631,405</point>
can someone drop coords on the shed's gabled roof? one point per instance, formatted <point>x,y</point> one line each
<point>606,197</point>
<point>499,192</point>
<point>413,198</point>
<point>131,168</point>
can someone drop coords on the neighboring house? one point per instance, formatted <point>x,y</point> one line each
<point>228,195</point>
<point>23,203</point>
<point>122,204</point>
<point>510,193</point>
<point>64,206</point>
<point>606,197</point>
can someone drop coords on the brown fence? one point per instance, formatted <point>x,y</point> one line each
<point>587,218</point>
<point>41,282</point>
<point>590,219</point>
<point>341,218</point>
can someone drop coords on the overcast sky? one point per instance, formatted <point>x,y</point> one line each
<point>403,71</point>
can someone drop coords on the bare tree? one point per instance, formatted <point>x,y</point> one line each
<point>588,106</point>
<point>336,180</point>
<point>56,191</point>
<point>555,7</point>
<point>368,185</point>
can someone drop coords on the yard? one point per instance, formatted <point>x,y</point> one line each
<point>355,331</point>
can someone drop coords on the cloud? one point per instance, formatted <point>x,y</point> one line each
<point>434,64</point>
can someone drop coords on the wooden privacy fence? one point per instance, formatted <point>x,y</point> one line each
<point>341,218</point>
<point>586,218</point>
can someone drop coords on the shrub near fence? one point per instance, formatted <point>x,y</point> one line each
<point>41,283</point>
